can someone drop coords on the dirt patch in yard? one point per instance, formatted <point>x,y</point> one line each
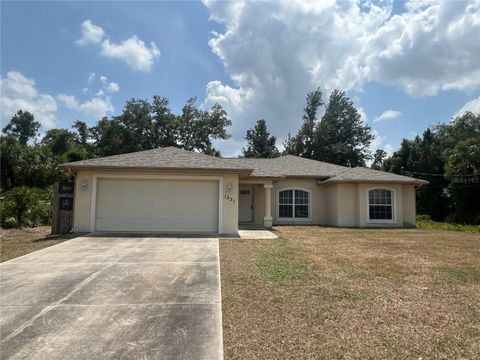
<point>349,293</point>
<point>18,242</point>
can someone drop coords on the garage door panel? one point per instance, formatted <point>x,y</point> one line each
<point>157,205</point>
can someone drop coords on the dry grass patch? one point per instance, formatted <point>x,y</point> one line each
<point>18,242</point>
<point>320,293</point>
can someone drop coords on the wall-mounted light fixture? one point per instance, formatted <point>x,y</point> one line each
<point>84,185</point>
<point>229,187</point>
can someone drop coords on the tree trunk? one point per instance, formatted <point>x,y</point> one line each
<point>20,217</point>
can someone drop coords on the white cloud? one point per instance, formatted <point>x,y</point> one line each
<point>113,87</point>
<point>91,77</point>
<point>472,106</point>
<point>106,86</point>
<point>91,34</point>
<point>68,101</point>
<point>377,141</point>
<point>388,115</point>
<point>96,107</point>
<point>19,93</point>
<point>133,52</point>
<point>432,47</point>
<point>363,114</point>
<point>276,52</point>
<point>389,149</point>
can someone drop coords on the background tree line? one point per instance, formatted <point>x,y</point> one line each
<point>29,165</point>
<point>330,131</point>
<point>447,155</point>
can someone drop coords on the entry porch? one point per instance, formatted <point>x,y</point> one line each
<point>255,204</point>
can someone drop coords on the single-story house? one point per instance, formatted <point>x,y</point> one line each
<point>173,190</point>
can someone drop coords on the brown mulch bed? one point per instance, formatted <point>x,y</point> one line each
<point>327,293</point>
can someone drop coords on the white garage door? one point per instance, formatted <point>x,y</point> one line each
<point>156,205</point>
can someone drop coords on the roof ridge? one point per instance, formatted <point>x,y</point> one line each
<point>318,161</point>
<point>171,155</point>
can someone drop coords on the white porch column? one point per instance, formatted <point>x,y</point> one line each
<point>268,220</point>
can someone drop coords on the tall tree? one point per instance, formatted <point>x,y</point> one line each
<point>10,152</point>
<point>378,158</point>
<point>59,141</point>
<point>197,128</point>
<point>23,127</point>
<point>341,137</point>
<point>144,125</point>
<point>165,123</point>
<point>82,131</point>
<point>259,142</point>
<point>303,143</point>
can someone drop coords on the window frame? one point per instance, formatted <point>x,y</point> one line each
<point>293,218</point>
<point>393,220</point>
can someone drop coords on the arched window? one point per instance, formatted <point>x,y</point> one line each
<point>293,204</point>
<point>381,205</point>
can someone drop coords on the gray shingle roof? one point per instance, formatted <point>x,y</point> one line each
<point>161,158</point>
<point>283,166</point>
<point>291,166</point>
<point>361,174</point>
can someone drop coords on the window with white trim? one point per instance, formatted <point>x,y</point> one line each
<point>293,204</point>
<point>380,205</point>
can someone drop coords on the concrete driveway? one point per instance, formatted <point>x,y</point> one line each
<point>113,297</point>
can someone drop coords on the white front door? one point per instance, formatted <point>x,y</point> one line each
<point>245,204</point>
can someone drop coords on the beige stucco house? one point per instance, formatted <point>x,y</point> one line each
<point>173,190</point>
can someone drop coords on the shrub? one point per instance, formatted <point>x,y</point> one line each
<point>9,222</point>
<point>27,205</point>
<point>423,218</point>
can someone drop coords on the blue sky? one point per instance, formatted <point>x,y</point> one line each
<point>258,59</point>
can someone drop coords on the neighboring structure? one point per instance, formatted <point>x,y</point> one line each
<point>173,190</point>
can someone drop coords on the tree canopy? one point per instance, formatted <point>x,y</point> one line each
<point>144,125</point>
<point>260,144</point>
<point>339,137</point>
<point>23,127</point>
<point>448,156</point>
<point>378,158</point>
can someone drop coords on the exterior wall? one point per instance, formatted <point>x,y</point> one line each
<point>318,201</point>
<point>409,206</point>
<point>332,204</point>
<point>347,205</point>
<point>82,203</point>
<point>342,205</point>
<point>258,205</point>
<point>230,208</point>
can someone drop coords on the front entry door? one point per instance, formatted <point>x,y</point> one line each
<point>245,204</point>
